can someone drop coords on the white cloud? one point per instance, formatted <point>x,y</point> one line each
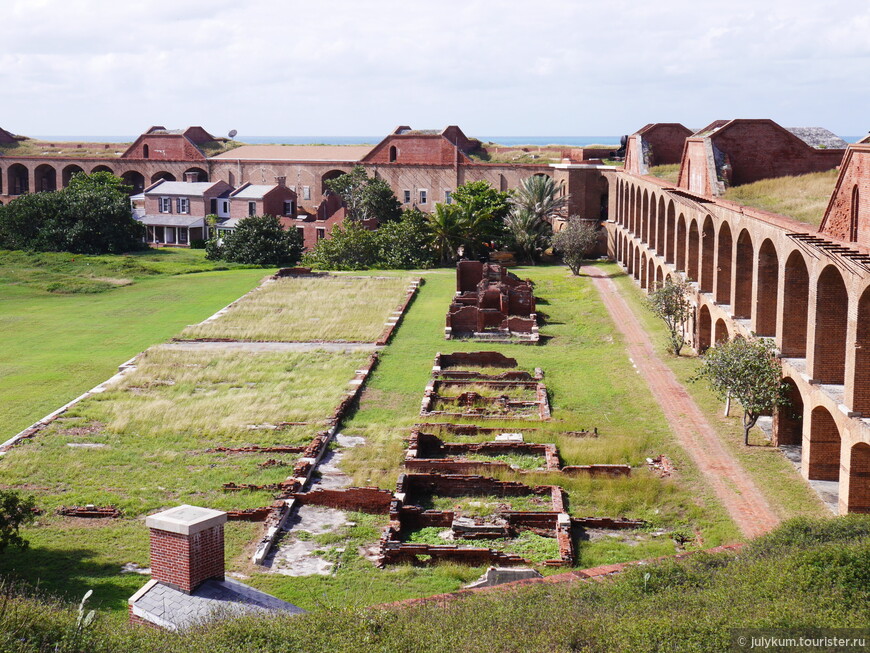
<point>496,67</point>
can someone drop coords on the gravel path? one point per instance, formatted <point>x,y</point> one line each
<point>737,491</point>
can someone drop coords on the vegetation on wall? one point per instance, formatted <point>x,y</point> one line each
<point>90,216</point>
<point>365,197</point>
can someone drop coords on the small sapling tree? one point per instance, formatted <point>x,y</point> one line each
<point>748,372</point>
<point>15,511</point>
<point>576,242</point>
<point>670,302</point>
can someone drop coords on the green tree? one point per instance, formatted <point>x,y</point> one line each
<point>480,196</point>
<point>259,240</point>
<point>670,302</point>
<point>576,242</point>
<point>15,512</point>
<point>91,216</point>
<point>541,196</point>
<point>528,235</point>
<point>366,197</point>
<point>349,247</point>
<point>406,243</point>
<point>447,231</point>
<point>747,371</point>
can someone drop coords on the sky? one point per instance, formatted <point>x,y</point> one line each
<point>493,67</point>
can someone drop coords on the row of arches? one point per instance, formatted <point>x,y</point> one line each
<point>16,179</point>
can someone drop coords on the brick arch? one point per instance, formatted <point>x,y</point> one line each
<point>853,214</point>
<point>660,277</point>
<point>102,168</point>
<point>157,176</point>
<point>17,179</point>
<point>201,175</point>
<point>743,265</point>
<point>618,217</point>
<point>708,255</point>
<point>651,274</point>
<point>45,178</point>
<point>134,179</point>
<point>636,269</point>
<point>705,329</point>
<point>643,270</point>
<point>788,426</point>
<point>767,279</point>
<point>652,220</point>
<point>720,333</point>
<point>824,446</point>
<point>68,172</point>
<point>693,253</point>
<point>681,243</point>
<point>832,316</point>
<point>861,379</point>
<point>644,218</point>
<point>670,233</point>
<point>723,272</point>
<point>859,479</point>
<point>329,176</point>
<point>661,240</point>
<point>795,306</point>
<point>635,227</point>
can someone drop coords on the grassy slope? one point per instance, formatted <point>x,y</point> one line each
<point>804,197</point>
<point>788,494</point>
<point>670,172</point>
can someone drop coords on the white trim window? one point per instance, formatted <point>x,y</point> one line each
<point>165,204</point>
<point>424,195</point>
<point>252,209</point>
<point>448,196</point>
<point>288,207</point>
<point>182,205</point>
<point>406,196</point>
<point>306,192</point>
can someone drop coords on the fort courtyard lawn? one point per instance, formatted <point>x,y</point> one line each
<point>158,421</point>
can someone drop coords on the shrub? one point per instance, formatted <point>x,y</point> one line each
<point>258,240</point>
<point>349,247</point>
<point>404,244</point>
<point>576,242</point>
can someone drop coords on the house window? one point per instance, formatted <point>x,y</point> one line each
<point>321,234</point>
<point>252,208</point>
<point>182,236</point>
<point>226,204</point>
<point>448,197</point>
<point>407,197</point>
<point>182,205</point>
<point>423,194</point>
<point>393,153</point>
<point>288,207</point>
<point>145,153</point>
<point>165,204</point>
<point>213,206</point>
<point>301,232</point>
<point>306,192</point>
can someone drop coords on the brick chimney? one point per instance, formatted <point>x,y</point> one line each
<point>191,177</point>
<point>281,181</point>
<point>187,546</point>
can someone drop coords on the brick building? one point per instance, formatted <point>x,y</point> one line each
<point>655,144</point>
<point>175,211</point>
<point>730,153</point>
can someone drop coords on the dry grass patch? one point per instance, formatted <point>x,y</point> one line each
<point>299,309</point>
<point>669,172</point>
<point>804,197</point>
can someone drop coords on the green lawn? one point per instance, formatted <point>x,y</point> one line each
<point>57,346</point>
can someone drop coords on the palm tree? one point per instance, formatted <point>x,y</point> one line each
<point>446,229</point>
<point>529,234</point>
<point>540,195</point>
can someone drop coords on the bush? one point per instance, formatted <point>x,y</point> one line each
<point>576,242</point>
<point>197,243</point>
<point>258,240</point>
<point>349,247</point>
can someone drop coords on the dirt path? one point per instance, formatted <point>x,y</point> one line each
<point>737,491</point>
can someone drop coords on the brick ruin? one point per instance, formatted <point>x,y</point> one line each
<point>491,304</point>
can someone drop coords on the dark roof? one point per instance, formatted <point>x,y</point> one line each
<point>819,137</point>
<point>172,609</point>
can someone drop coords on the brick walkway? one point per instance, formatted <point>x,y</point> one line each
<point>732,485</point>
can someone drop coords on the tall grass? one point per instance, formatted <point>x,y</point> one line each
<point>802,197</point>
<point>309,308</point>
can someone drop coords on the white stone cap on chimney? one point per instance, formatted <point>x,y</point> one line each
<point>186,520</point>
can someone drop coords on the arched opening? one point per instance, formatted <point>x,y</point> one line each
<point>743,276</point>
<point>795,304</point>
<point>643,276</point>
<point>393,153</point>
<point>102,169</point>
<point>166,176</point>
<point>705,329</point>
<point>644,218</point>
<point>824,447</point>
<point>859,478</point>
<point>195,174</point>
<point>861,381</point>
<point>670,234</point>
<point>146,153</point>
<point>1,184</point>
<point>789,419</point>
<point>832,314</point>
<point>692,267</point>
<point>328,176</point>
<point>45,177</point>
<point>637,220</point>
<point>853,215</point>
<point>651,275</point>
<point>629,257</point>
<point>681,243</point>
<point>135,180</point>
<point>708,255</point>
<point>18,179</point>
<point>659,277</point>
<point>660,223</point>
<point>723,272</point>
<point>721,332</point>
<point>636,264</point>
<point>768,289</point>
<point>68,172</point>
<point>603,198</point>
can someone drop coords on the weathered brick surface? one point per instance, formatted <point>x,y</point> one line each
<point>360,499</point>
<point>185,561</point>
